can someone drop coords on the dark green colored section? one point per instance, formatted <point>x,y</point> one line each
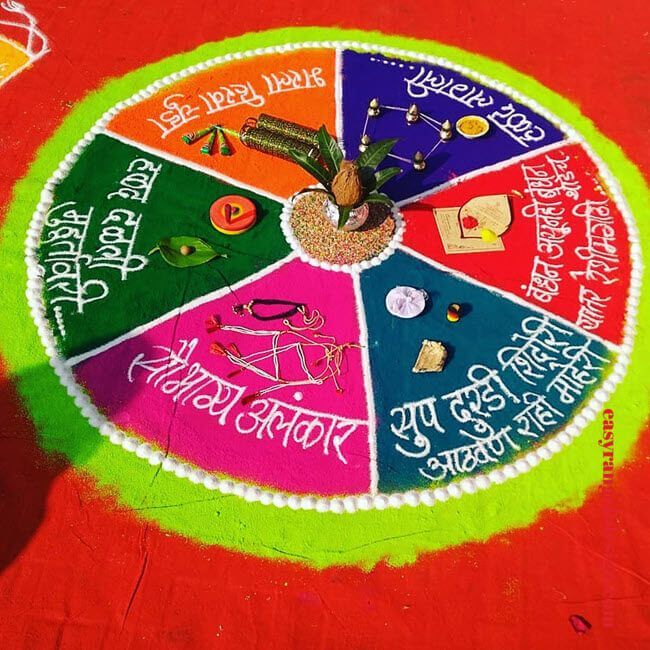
<point>178,204</point>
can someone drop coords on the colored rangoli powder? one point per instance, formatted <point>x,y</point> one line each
<point>322,240</point>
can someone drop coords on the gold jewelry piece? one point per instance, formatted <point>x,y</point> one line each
<point>374,108</point>
<point>419,163</point>
<point>431,358</point>
<point>412,115</point>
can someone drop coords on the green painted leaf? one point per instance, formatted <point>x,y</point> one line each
<point>170,249</point>
<point>311,167</point>
<point>330,151</point>
<point>384,175</point>
<point>344,215</point>
<point>375,153</point>
<point>379,198</point>
<point>368,180</point>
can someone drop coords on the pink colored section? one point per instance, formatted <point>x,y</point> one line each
<point>306,439</point>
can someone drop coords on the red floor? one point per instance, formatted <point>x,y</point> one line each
<point>79,572</point>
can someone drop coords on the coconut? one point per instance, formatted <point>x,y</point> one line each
<point>346,186</point>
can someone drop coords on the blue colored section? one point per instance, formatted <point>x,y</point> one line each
<point>441,94</point>
<point>414,443</point>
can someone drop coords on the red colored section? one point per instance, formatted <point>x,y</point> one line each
<point>566,251</point>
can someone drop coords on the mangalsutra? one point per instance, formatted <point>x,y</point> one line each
<point>303,340</point>
<point>291,309</point>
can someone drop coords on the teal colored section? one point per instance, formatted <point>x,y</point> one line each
<point>444,437</point>
<point>178,203</point>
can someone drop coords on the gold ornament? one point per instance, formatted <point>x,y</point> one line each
<point>412,115</point>
<point>274,143</point>
<point>431,358</point>
<point>373,107</point>
<point>446,131</point>
<point>419,163</point>
<point>288,129</point>
<point>365,141</point>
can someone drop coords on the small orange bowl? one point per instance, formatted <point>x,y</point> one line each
<point>243,214</point>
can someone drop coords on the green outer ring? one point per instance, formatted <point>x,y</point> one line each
<point>319,539</point>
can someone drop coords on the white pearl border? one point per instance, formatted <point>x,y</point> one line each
<point>391,247</point>
<point>346,504</point>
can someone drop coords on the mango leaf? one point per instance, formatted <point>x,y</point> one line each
<point>344,215</point>
<point>200,252</point>
<point>368,180</point>
<point>379,198</point>
<point>384,175</point>
<point>311,167</point>
<point>330,151</point>
<point>375,153</point>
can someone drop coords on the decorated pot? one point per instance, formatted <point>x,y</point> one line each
<point>358,216</point>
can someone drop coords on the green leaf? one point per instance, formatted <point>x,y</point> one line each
<point>367,176</point>
<point>375,153</point>
<point>170,249</point>
<point>379,198</point>
<point>384,175</point>
<point>311,167</point>
<point>344,215</point>
<point>330,151</point>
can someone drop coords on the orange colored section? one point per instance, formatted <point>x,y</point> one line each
<point>296,86</point>
<point>12,58</point>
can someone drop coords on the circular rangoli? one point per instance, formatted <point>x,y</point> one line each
<point>333,408</point>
